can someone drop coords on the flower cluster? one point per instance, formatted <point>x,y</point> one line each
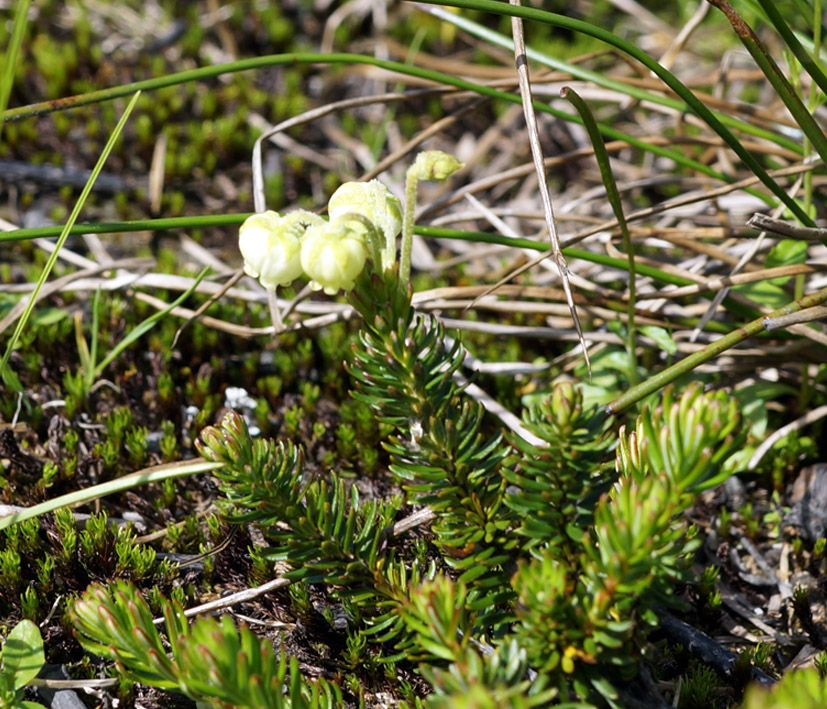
<point>364,219</point>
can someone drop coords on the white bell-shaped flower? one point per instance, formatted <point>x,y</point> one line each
<point>373,201</point>
<point>333,255</point>
<point>271,246</point>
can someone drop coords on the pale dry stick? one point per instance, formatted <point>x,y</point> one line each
<point>59,283</point>
<point>719,91</point>
<point>205,257</point>
<point>247,594</point>
<point>817,312</point>
<point>743,261</point>
<point>611,224</point>
<point>294,303</point>
<point>416,519</point>
<point>97,248</point>
<point>808,418</point>
<point>739,279</point>
<point>692,232</point>
<point>231,281</point>
<point>715,252</point>
<point>553,309</point>
<point>248,332</point>
<point>667,59</point>
<point>521,61</point>
<point>73,683</point>
<point>611,147</point>
<point>49,246</point>
<point>785,229</point>
<point>156,174</point>
<point>492,218</point>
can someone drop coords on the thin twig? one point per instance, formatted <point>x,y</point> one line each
<point>764,222</point>
<point>418,518</point>
<point>235,278</point>
<point>797,425</point>
<point>521,61</point>
<point>818,312</point>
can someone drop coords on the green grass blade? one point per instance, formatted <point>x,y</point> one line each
<point>613,194</point>
<point>47,269</point>
<point>193,222</point>
<point>809,64</point>
<point>148,324</point>
<point>127,482</point>
<point>687,364</point>
<point>428,232</point>
<point>578,72</point>
<point>89,373</point>
<point>777,79</point>
<point>667,77</point>
<point>405,69</point>
<point>10,60</point>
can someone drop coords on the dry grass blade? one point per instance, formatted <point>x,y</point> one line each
<point>521,61</point>
<point>59,283</point>
<point>727,281</point>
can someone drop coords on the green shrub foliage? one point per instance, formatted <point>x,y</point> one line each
<point>548,562</point>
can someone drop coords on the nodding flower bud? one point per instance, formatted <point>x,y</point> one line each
<point>434,165</point>
<point>333,255</point>
<point>373,201</point>
<point>270,245</point>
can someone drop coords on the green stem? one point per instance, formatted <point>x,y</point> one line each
<point>810,65</point>
<point>305,58</point>
<point>501,8</point>
<point>197,222</point>
<point>10,60</point>
<point>613,194</point>
<point>64,234</point>
<point>689,363</point>
<point>411,181</point>
<point>782,87</point>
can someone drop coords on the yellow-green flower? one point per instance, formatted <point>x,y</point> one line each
<point>333,255</point>
<point>371,200</point>
<point>271,245</point>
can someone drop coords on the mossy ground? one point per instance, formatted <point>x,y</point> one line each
<point>149,405</point>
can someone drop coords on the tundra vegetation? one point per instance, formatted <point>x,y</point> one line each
<point>446,354</point>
